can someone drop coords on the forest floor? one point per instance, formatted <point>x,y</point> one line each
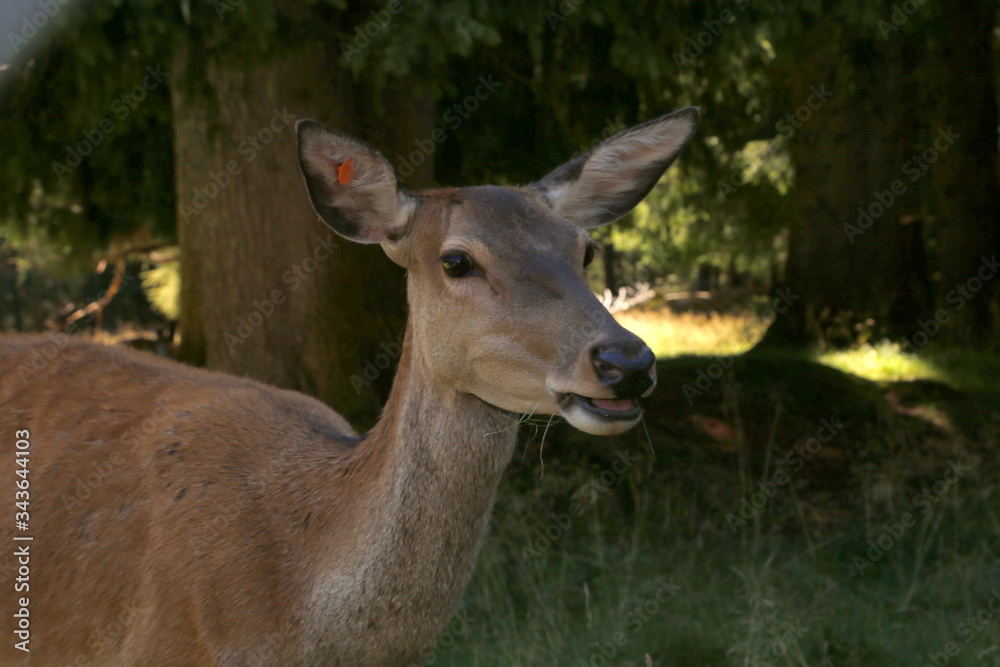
<point>837,509</point>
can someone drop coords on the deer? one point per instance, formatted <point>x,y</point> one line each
<point>186,517</point>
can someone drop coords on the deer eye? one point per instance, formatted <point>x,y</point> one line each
<point>588,255</point>
<point>456,264</point>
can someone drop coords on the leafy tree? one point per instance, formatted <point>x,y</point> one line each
<point>811,111</point>
<point>864,210</point>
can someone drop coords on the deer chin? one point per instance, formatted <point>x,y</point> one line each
<point>600,416</point>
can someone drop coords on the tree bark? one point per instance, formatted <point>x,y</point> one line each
<point>851,133</point>
<point>268,291</point>
<point>967,200</point>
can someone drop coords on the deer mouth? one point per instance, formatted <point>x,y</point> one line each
<point>609,408</point>
<point>600,416</point>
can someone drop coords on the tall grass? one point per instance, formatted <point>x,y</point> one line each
<point>720,334</point>
<point>749,597</point>
<point>670,335</point>
<point>795,584</point>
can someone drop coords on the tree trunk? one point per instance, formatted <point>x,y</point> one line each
<point>268,291</point>
<point>851,132</point>
<point>610,261</point>
<point>967,201</point>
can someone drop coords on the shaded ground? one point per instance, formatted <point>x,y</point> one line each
<point>728,420</point>
<point>741,524</point>
<point>766,531</point>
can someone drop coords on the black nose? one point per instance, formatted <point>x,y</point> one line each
<point>626,369</point>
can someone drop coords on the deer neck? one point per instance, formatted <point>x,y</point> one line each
<point>442,454</point>
<point>433,465</point>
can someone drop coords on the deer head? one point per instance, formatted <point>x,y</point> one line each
<point>499,302</point>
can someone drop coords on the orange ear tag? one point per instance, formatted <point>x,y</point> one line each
<point>345,172</point>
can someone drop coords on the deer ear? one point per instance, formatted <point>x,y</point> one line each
<point>603,185</point>
<point>352,187</point>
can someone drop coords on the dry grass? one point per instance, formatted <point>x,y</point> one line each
<point>673,334</point>
<point>790,586</point>
<point>718,334</point>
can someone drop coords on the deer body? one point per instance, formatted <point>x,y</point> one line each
<point>226,462</point>
<point>182,517</point>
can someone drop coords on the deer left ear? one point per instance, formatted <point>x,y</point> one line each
<point>351,186</point>
<point>603,185</point>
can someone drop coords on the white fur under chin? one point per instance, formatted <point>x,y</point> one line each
<point>588,422</point>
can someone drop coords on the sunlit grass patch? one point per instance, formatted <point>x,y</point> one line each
<point>162,285</point>
<point>670,335</point>
<point>797,583</point>
<point>719,334</point>
<point>883,362</point>
<point>965,369</point>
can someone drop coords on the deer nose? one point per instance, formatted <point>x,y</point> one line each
<point>628,369</point>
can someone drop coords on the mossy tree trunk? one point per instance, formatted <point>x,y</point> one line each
<point>854,205</point>
<point>966,195</point>
<point>267,290</point>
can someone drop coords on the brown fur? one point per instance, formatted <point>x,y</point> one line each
<point>182,517</point>
<point>239,520</point>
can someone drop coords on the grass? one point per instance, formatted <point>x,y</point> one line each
<point>970,370</point>
<point>660,568</point>
<point>883,362</point>
<point>756,597</point>
<point>670,335</point>
<point>719,334</point>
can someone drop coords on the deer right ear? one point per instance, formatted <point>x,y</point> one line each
<point>352,187</point>
<point>603,185</point>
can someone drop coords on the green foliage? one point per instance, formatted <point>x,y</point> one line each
<point>81,124</point>
<point>590,70</point>
<point>554,589</point>
<point>88,149</point>
<point>572,71</point>
<point>414,39</point>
